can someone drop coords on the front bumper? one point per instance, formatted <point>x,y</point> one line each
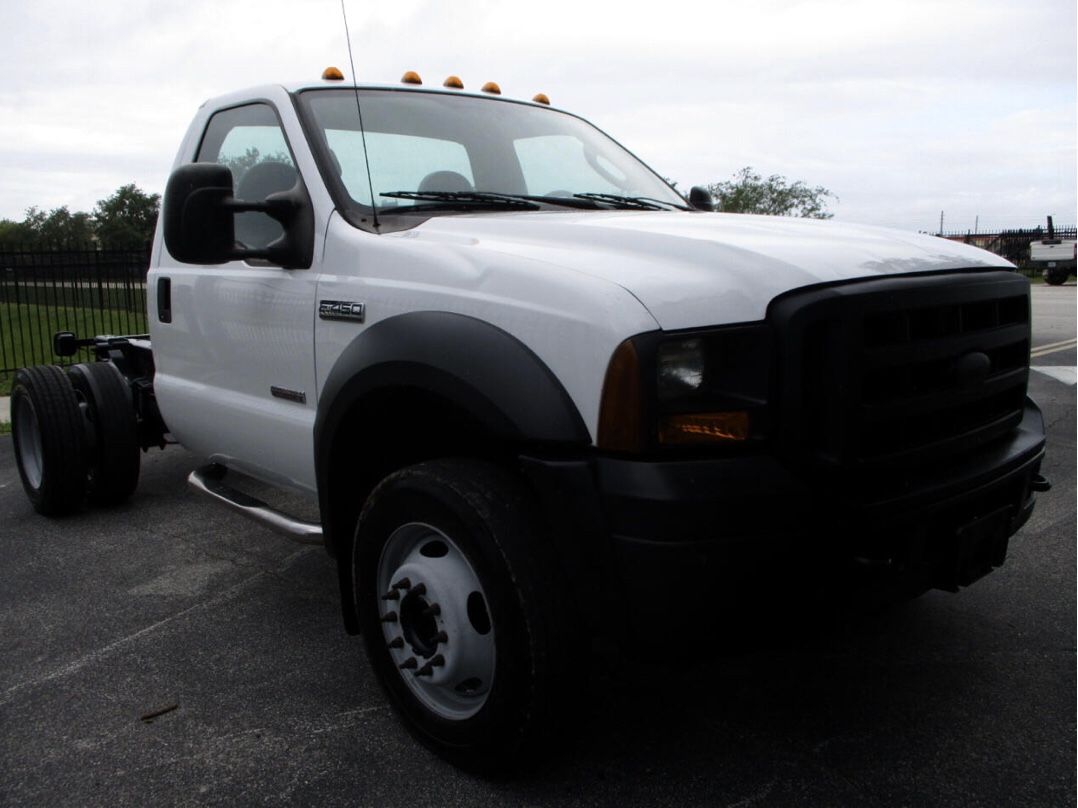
<point>650,542</point>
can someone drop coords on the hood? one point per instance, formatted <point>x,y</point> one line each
<point>696,269</point>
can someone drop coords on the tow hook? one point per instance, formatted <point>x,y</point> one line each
<point>1040,484</point>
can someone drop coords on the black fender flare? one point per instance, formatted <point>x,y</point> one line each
<point>476,366</point>
<point>473,365</point>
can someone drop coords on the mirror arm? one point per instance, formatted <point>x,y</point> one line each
<point>283,210</point>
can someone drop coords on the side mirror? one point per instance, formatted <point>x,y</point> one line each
<point>199,219</point>
<point>199,228</point>
<point>700,198</point>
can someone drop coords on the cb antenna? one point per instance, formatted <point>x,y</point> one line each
<point>359,112</point>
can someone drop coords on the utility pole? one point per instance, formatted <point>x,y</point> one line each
<point>976,222</point>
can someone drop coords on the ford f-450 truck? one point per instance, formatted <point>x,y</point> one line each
<point>540,396</point>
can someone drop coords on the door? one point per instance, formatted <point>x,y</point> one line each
<point>235,372</point>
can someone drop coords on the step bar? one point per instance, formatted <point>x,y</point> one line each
<point>209,480</point>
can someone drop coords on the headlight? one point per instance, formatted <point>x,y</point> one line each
<point>680,368</point>
<point>707,388</point>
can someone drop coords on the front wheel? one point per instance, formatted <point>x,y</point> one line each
<point>463,612</point>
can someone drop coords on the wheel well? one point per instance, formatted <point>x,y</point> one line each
<point>390,429</point>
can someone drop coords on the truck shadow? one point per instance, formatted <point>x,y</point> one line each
<point>801,688</point>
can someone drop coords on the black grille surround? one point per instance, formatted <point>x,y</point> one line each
<point>877,382</point>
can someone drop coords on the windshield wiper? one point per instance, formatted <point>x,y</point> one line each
<point>471,199</point>
<point>502,201</point>
<point>631,202</point>
<point>562,201</point>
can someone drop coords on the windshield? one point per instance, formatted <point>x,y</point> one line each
<point>435,151</point>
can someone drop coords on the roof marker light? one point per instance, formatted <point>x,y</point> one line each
<point>492,88</point>
<point>541,98</point>
<point>332,74</point>
<point>453,82</point>
<point>411,77</point>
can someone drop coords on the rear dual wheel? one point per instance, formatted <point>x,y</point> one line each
<point>50,440</point>
<point>464,613</point>
<point>112,431</point>
<point>75,436</point>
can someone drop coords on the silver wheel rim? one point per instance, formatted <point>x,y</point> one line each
<point>28,436</point>
<point>436,621</point>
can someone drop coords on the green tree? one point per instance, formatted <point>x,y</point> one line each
<point>127,218</point>
<point>40,229</point>
<point>749,192</point>
<point>61,226</point>
<point>14,234</point>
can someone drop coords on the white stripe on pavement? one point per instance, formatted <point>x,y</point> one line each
<point>1053,347</point>
<point>1067,341</point>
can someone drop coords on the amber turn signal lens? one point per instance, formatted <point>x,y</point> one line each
<point>411,77</point>
<point>453,82</point>
<point>492,87</point>
<point>541,98</point>
<point>620,410</point>
<point>706,427</point>
<point>332,74</point>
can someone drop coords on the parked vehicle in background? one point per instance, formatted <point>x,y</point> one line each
<point>538,395</point>
<point>1054,257</point>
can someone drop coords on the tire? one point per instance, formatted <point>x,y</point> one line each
<point>464,612</point>
<point>50,440</point>
<point>1055,276</point>
<point>113,451</point>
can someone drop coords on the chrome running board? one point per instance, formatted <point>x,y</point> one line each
<point>209,480</point>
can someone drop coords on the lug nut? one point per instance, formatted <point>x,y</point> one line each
<point>389,617</point>
<point>433,610</point>
<point>435,661</point>
<point>420,589</point>
<point>408,664</point>
<point>392,594</point>
<point>403,583</point>
<point>441,637</point>
<point>397,643</point>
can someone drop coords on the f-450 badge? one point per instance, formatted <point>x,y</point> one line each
<point>341,310</point>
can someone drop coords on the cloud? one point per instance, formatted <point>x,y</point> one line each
<point>902,109</point>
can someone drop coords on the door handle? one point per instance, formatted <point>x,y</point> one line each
<point>164,300</point>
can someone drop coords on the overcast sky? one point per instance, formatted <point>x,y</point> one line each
<point>903,109</point>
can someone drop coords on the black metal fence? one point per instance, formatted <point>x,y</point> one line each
<point>83,289</point>
<point>1012,244</point>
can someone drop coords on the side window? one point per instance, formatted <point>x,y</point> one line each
<point>249,140</point>
<point>559,164</point>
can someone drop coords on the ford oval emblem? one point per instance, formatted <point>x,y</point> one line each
<point>971,369</point>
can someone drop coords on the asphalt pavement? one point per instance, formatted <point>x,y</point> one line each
<point>168,603</point>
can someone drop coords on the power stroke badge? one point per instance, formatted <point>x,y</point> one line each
<point>341,310</point>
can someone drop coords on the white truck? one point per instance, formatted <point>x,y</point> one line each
<point>538,395</point>
<point>1055,257</point>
